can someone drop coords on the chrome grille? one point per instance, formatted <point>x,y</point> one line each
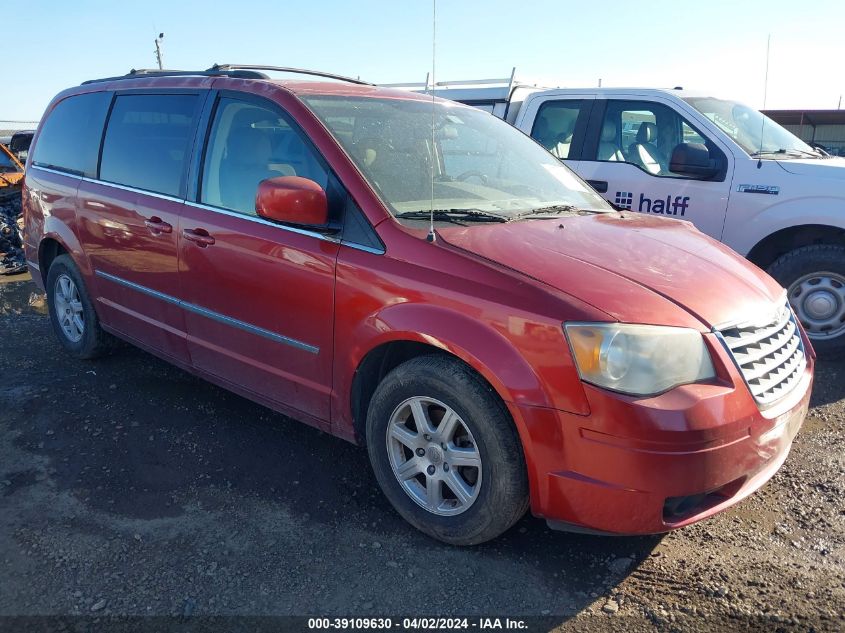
<point>770,357</point>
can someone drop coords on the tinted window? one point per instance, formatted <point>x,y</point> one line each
<point>70,137</point>
<point>250,143</point>
<point>148,140</point>
<point>554,126</point>
<point>20,142</point>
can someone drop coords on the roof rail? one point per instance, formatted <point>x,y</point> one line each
<point>237,71</point>
<point>286,69</point>
<point>137,73</point>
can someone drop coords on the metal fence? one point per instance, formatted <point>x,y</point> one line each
<point>7,128</point>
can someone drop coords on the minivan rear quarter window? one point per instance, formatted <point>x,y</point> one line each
<point>70,137</point>
<point>147,141</point>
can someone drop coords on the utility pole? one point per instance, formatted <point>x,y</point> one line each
<point>158,50</point>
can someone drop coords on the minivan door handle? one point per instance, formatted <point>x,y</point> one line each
<point>199,236</point>
<point>156,225</point>
<point>598,185</point>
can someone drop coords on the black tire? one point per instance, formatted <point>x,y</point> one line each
<point>94,341</point>
<point>818,258</point>
<point>502,497</point>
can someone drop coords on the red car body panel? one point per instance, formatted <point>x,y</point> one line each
<point>590,257</point>
<point>241,276</point>
<point>133,236</point>
<point>494,296</point>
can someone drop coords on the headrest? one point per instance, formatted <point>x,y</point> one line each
<point>647,133</point>
<point>608,132</point>
<point>249,146</point>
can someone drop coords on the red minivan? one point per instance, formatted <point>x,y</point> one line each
<point>421,278</point>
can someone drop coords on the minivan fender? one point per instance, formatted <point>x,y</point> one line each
<point>58,231</point>
<point>484,349</point>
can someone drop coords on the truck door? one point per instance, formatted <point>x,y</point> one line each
<point>558,123</point>
<point>627,154</point>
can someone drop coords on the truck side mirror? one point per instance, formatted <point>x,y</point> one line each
<point>694,160</point>
<point>292,199</point>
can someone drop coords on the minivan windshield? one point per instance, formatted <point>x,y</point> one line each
<point>752,130</point>
<point>475,167</point>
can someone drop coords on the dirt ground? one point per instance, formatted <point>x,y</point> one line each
<point>128,487</point>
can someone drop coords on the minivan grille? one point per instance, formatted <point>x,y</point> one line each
<point>771,357</point>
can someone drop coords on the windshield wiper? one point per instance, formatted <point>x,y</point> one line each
<point>456,216</point>
<point>556,210</point>
<point>786,152</point>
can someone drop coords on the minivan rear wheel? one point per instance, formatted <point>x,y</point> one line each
<point>814,277</point>
<point>445,451</point>
<point>71,311</point>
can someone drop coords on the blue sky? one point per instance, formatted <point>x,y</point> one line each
<point>717,45</point>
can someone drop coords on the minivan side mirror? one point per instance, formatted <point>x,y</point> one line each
<point>293,200</point>
<point>694,160</point>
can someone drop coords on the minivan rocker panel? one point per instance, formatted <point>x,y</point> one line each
<point>614,373</point>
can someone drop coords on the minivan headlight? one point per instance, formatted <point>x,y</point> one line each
<point>639,360</point>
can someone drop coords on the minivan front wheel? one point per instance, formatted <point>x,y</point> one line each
<point>72,314</point>
<point>445,451</point>
<point>814,277</point>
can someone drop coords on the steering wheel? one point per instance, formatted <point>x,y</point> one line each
<point>472,173</point>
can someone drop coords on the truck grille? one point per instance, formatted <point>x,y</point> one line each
<point>770,357</point>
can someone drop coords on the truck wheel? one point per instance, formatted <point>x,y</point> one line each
<point>814,277</point>
<point>445,451</point>
<point>71,311</point>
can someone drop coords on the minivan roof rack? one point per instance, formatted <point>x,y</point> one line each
<point>137,73</point>
<point>287,69</point>
<point>237,71</point>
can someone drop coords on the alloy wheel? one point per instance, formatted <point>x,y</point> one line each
<point>68,308</point>
<point>434,456</point>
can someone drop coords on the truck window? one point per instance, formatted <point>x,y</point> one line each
<point>645,134</point>
<point>148,140</point>
<point>554,126</point>
<point>250,143</point>
<point>70,137</point>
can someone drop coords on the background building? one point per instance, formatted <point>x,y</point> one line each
<point>825,128</point>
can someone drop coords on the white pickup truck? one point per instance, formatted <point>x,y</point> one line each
<point>737,175</point>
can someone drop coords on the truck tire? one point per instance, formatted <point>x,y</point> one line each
<point>445,451</point>
<point>72,313</point>
<point>814,277</point>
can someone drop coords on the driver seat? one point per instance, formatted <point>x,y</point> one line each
<point>645,152</point>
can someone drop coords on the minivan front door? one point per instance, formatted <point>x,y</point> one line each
<point>258,296</point>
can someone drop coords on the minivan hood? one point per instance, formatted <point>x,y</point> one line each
<point>630,266</point>
<point>833,168</point>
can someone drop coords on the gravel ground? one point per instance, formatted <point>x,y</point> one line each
<point>128,487</point>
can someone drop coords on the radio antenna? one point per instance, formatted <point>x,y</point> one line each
<point>765,96</point>
<point>433,154</point>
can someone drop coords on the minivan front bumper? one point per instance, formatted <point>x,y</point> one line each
<point>651,465</point>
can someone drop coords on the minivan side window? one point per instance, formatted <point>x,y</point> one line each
<point>250,143</point>
<point>554,126</point>
<point>644,133</point>
<point>70,137</point>
<point>148,140</point>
